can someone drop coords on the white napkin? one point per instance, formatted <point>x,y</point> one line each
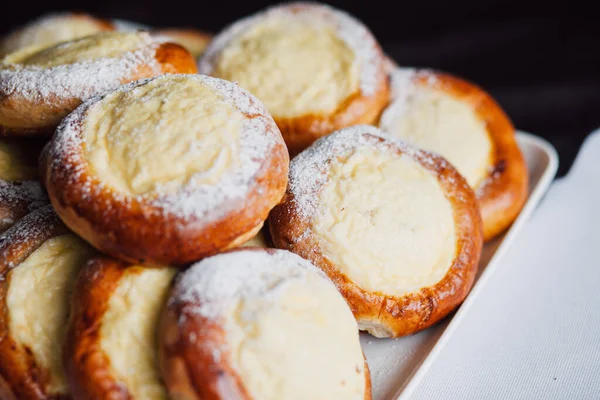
<point>534,331</point>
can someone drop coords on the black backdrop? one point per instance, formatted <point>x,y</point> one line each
<point>540,60</point>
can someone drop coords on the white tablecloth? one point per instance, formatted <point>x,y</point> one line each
<point>534,332</point>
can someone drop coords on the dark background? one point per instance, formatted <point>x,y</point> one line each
<point>540,60</point>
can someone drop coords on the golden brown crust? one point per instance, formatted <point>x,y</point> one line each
<point>20,376</point>
<point>138,231</point>
<point>193,40</point>
<point>413,312</point>
<point>301,132</point>
<point>174,59</point>
<point>16,111</point>
<point>102,24</point>
<point>87,366</point>
<point>195,371</point>
<point>504,192</point>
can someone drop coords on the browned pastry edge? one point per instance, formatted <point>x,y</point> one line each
<point>87,367</point>
<point>140,232</point>
<point>201,39</point>
<point>301,132</point>
<point>172,58</point>
<point>20,377</point>
<point>504,192</point>
<point>103,24</point>
<point>195,371</point>
<point>401,315</point>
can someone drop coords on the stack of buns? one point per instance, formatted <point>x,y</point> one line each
<point>159,243</point>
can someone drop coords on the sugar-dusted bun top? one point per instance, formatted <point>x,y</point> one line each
<point>376,208</point>
<point>284,324</point>
<point>299,58</point>
<point>90,48</point>
<point>52,29</point>
<point>188,144</point>
<point>433,118</point>
<point>162,134</point>
<point>65,74</point>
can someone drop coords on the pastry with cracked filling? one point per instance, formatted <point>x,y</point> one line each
<point>316,69</point>
<point>52,29</point>
<point>260,324</point>
<point>39,262</point>
<point>38,88</point>
<point>111,348</point>
<point>20,191</point>
<point>168,170</point>
<point>397,229</point>
<point>461,122</point>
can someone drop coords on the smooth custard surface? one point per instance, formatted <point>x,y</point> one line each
<point>38,302</point>
<point>435,121</point>
<point>385,222</point>
<point>128,330</point>
<point>294,67</point>
<point>274,344</point>
<point>161,136</point>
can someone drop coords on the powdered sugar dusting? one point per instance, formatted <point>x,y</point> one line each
<point>208,202</point>
<point>355,34</point>
<point>402,81</point>
<point>80,80</point>
<point>210,286</point>
<point>309,171</point>
<point>405,88</point>
<point>54,27</point>
<point>30,193</point>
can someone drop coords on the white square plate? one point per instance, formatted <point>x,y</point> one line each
<point>398,365</point>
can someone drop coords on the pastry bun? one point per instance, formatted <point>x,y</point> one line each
<point>52,29</point>
<point>316,69</point>
<point>461,122</point>
<point>190,171</point>
<point>395,228</point>
<point>20,193</point>
<point>40,87</point>
<point>111,337</point>
<point>39,260</point>
<point>193,40</point>
<point>259,324</point>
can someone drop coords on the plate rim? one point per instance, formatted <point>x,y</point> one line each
<point>533,200</point>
